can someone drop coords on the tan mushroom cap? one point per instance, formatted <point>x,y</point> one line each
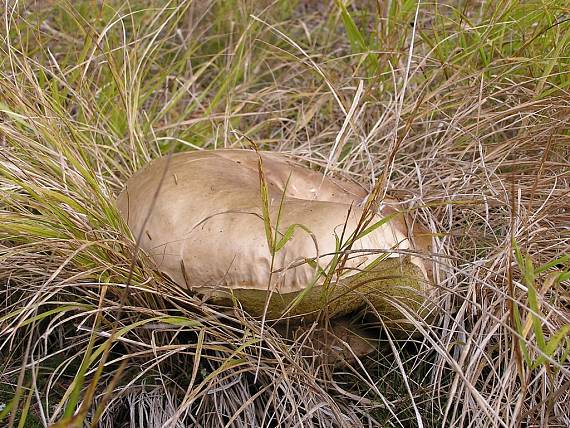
<point>206,230</point>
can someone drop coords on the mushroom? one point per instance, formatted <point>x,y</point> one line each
<point>200,216</point>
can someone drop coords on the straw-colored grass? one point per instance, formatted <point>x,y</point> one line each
<point>460,109</point>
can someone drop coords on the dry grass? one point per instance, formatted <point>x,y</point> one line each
<point>462,112</point>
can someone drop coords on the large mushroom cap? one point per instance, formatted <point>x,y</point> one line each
<point>199,216</point>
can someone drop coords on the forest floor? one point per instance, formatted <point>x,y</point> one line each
<point>462,107</point>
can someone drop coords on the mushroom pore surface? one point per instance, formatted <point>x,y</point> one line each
<point>199,216</point>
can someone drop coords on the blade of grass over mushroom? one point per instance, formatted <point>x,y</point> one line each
<point>265,201</point>
<point>287,235</point>
<point>376,225</point>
